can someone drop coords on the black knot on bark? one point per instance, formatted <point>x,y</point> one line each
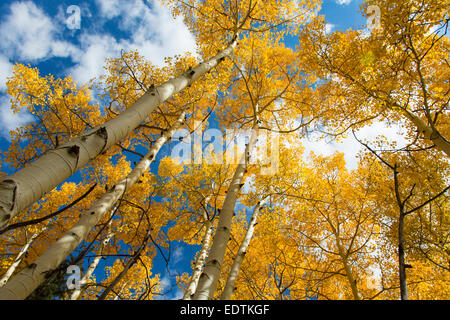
<point>74,151</point>
<point>102,133</point>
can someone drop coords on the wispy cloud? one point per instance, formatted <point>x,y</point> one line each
<point>8,119</point>
<point>150,29</point>
<point>350,146</point>
<point>329,27</point>
<point>5,71</point>
<point>30,35</point>
<point>343,2</point>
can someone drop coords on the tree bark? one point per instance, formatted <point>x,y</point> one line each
<point>234,272</point>
<point>429,133</point>
<point>347,268</point>
<point>127,267</point>
<point>77,292</point>
<point>19,258</point>
<point>401,259</point>
<point>401,248</point>
<point>120,291</point>
<point>24,283</point>
<point>203,254</point>
<point>28,185</point>
<point>210,276</point>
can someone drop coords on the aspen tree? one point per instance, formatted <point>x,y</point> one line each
<point>208,280</point>
<point>19,257</point>
<point>120,291</point>
<point>128,265</point>
<point>398,72</point>
<point>28,279</point>
<point>28,185</point>
<point>202,255</point>
<point>234,272</point>
<point>77,292</point>
<point>201,259</point>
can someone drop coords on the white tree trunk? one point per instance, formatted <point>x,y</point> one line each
<point>203,254</point>
<point>234,271</point>
<point>208,280</point>
<point>77,292</point>
<point>28,185</point>
<point>120,291</point>
<point>26,281</point>
<point>128,265</point>
<point>428,132</point>
<point>19,258</point>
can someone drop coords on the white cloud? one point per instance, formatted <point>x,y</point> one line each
<point>177,255</point>
<point>5,71</point>
<point>350,147</point>
<point>95,49</point>
<point>178,295</point>
<point>109,8</point>
<point>8,119</point>
<point>152,31</point>
<point>343,2</point>
<point>27,33</point>
<point>329,27</point>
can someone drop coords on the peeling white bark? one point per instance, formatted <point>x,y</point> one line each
<point>120,291</point>
<point>26,281</point>
<point>28,185</point>
<point>234,271</point>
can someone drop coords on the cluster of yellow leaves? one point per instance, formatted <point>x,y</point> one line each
<point>326,231</point>
<point>402,66</point>
<point>61,110</point>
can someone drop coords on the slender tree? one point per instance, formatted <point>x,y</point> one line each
<point>19,257</point>
<point>83,281</point>
<point>234,272</point>
<point>210,275</point>
<point>28,279</point>
<point>29,184</point>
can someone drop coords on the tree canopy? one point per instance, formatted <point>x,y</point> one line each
<point>207,152</point>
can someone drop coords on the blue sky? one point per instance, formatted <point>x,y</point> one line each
<point>41,33</point>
